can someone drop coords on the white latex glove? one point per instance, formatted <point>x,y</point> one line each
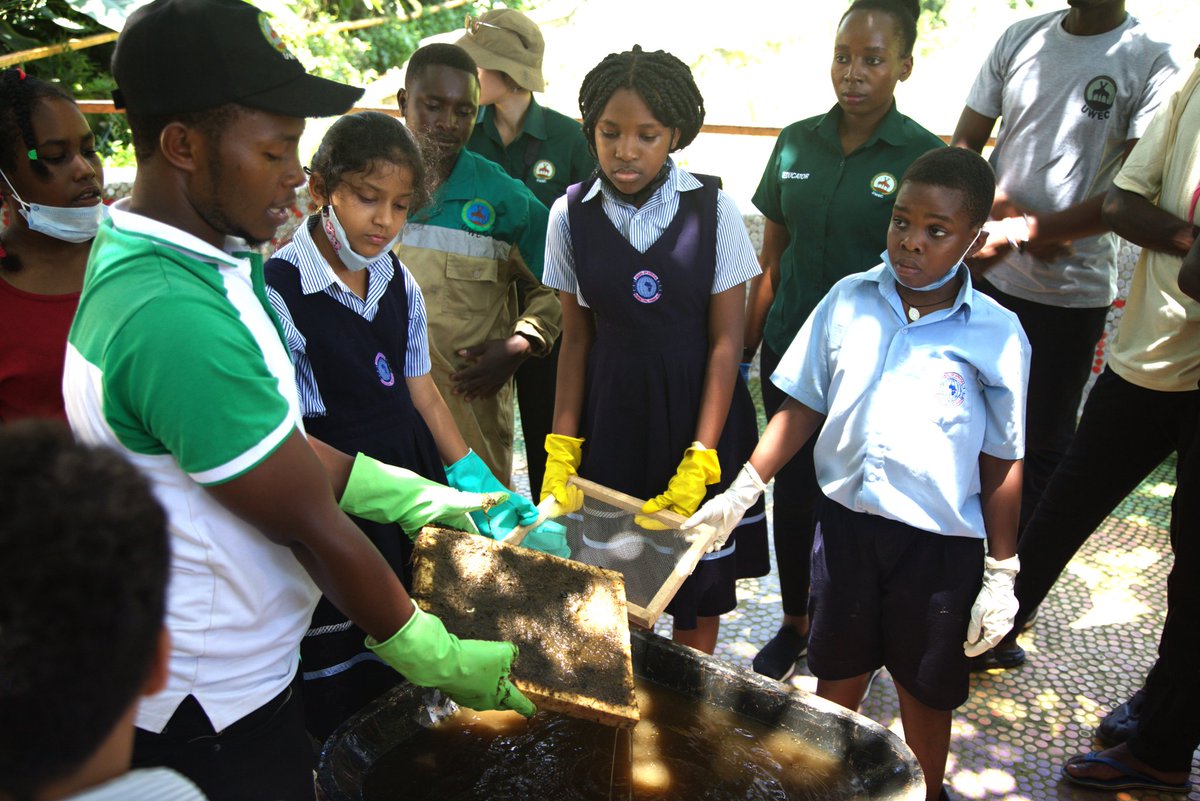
<point>1015,230</point>
<point>995,606</point>
<point>725,511</point>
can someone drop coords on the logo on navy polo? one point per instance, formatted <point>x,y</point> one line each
<point>478,215</point>
<point>883,184</point>
<point>1099,97</point>
<point>543,171</point>
<point>647,288</point>
<point>384,370</point>
<point>952,390</point>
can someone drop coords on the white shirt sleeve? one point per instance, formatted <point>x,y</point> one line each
<point>803,372</point>
<point>559,270</point>
<point>311,403</point>
<point>416,355</point>
<point>987,93</point>
<point>1155,93</point>
<point>1004,398</point>
<point>736,260</point>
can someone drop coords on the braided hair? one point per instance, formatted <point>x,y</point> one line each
<point>904,12</point>
<point>19,93</point>
<point>663,82</point>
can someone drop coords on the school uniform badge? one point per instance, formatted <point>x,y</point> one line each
<point>478,215</point>
<point>543,171</point>
<point>952,390</point>
<point>384,370</point>
<point>647,288</point>
<point>883,184</point>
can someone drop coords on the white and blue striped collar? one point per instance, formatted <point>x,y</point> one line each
<point>316,275</point>
<point>677,181</point>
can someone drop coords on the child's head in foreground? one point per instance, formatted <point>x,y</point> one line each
<point>637,108</point>
<point>82,594</point>
<point>944,199</point>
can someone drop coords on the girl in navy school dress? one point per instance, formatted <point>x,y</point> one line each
<point>354,320</point>
<point>650,263</point>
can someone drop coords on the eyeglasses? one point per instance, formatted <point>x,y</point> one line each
<point>472,25</point>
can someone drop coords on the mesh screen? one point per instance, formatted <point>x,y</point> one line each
<point>605,535</point>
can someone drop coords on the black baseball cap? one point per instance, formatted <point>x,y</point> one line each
<point>178,56</point>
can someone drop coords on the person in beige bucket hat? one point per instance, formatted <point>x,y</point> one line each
<point>507,41</point>
<point>540,147</point>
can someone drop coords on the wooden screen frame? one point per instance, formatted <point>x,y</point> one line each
<point>648,615</point>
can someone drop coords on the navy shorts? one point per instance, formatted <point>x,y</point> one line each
<point>885,594</point>
<point>710,591</point>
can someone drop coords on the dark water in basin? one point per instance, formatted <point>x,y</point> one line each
<point>683,749</point>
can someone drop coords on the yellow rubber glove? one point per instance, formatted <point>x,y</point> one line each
<point>687,487</point>
<point>563,455</point>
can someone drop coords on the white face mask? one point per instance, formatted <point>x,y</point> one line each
<point>938,284</point>
<point>341,243</point>
<point>70,224</point>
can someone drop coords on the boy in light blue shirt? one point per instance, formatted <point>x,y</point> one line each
<point>917,385</point>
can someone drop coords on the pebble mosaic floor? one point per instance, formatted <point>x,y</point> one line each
<point>1094,641</point>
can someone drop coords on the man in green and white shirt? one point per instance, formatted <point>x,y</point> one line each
<point>134,381</point>
<point>176,360</point>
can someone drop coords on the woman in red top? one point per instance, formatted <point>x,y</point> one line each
<point>50,181</point>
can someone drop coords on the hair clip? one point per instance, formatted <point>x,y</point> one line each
<point>20,74</point>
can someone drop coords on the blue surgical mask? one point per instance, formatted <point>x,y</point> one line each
<point>67,223</point>
<point>938,284</point>
<point>341,243</point>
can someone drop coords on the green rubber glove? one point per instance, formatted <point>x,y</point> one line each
<point>687,487</point>
<point>470,474</point>
<point>563,455</point>
<point>472,672</point>
<point>383,493</point>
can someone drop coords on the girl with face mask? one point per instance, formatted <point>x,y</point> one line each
<point>50,182</point>
<point>354,320</point>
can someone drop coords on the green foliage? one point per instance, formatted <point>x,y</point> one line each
<point>933,10</point>
<point>25,24</point>
<point>355,57</point>
<point>931,17</point>
<point>390,45</point>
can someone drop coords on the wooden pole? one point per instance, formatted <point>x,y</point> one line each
<point>106,107</point>
<point>53,50</point>
<point>104,38</point>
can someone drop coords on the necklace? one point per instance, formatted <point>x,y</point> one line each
<point>914,313</point>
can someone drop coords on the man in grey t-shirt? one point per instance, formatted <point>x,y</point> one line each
<point>1074,90</point>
